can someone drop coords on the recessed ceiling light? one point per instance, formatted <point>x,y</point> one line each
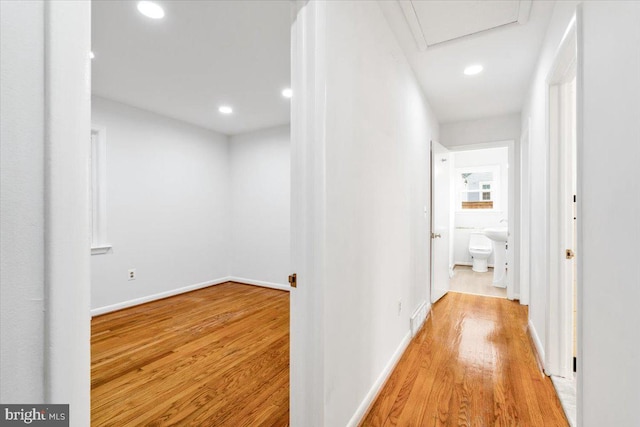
<point>150,9</point>
<point>472,70</point>
<point>225,109</point>
<point>287,93</point>
<point>92,55</point>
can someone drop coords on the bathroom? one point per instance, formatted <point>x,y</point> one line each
<point>480,186</point>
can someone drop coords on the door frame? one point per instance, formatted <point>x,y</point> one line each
<point>513,276</point>
<point>432,299</point>
<point>525,214</point>
<point>559,307</point>
<point>67,101</point>
<point>308,202</point>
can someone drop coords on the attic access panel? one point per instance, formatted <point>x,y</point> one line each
<point>434,22</point>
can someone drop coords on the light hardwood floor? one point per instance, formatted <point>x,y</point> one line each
<point>467,281</point>
<point>218,356</point>
<point>472,364</point>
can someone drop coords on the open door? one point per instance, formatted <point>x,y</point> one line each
<point>440,220</point>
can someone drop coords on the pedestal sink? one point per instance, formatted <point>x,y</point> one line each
<point>499,236</point>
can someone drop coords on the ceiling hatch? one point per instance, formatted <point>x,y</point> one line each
<point>434,22</point>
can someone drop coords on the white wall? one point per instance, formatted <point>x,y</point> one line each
<point>534,110</point>
<point>471,220</point>
<point>490,129</point>
<point>22,202</point>
<point>377,132</point>
<point>167,205</point>
<point>610,203</point>
<point>44,264</point>
<point>260,201</point>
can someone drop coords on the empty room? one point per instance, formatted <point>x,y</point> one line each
<point>190,222</point>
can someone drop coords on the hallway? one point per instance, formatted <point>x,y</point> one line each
<point>472,364</point>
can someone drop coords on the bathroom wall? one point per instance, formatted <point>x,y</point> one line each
<point>468,221</point>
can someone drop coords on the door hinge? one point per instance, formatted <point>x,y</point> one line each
<point>293,280</point>
<point>569,254</point>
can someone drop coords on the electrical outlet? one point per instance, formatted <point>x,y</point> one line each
<point>131,274</point>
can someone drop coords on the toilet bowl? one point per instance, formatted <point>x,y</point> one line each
<point>480,249</point>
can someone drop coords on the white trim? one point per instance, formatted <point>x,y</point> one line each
<point>523,11</point>
<point>98,162</point>
<point>261,283</point>
<point>308,202</point>
<point>137,301</point>
<point>101,250</point>
<point>380,381</point>
<point>414,24</point>
<point>559,304</point>
<point>538,344</point>
<point>525,213</point>
<point>173,292</point>
<point>67,352</point>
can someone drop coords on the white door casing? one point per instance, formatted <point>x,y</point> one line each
<point>562,106</point>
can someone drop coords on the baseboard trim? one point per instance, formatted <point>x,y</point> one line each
<point>537,345</point>
<point>379,383</point>
<point>142,300</point>
<point>261,283</point>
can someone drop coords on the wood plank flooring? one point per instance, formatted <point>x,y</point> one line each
<point>472,364</point>
<point>218,356</point>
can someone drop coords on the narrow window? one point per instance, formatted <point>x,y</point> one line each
<point>99,241</point>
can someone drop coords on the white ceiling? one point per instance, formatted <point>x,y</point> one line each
<point>201,55</point>
<point>508,53</point>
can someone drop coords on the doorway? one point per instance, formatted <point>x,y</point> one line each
<point>562,297</point>
<point>563,184</point>
<point>472,204</point>
<point>198,195</point>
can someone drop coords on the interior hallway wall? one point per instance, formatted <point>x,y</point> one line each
<point>535,110</point>
<point>610,199</point>
<point>22,208</point>
<point>260,206</point>
<point>377,132</point>
<point>167,205</point>
<point>489,129</point>
<point>609,202</point>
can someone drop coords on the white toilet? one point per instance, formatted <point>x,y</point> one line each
<point>480,248</point>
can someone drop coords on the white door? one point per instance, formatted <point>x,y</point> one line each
<point>440,220</point>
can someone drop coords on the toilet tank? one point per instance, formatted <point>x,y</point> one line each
<point>479,241</point>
